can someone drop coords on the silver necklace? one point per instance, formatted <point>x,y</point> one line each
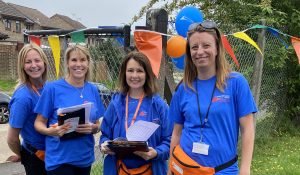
<point>81,96</point>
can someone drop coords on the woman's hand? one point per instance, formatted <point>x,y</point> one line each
<point>85,128</point>
<point>55,130</point>
<point>147,155</point>
<point>105,150</point>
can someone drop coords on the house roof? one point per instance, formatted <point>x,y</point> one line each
<point>6,10</point>
<point>35,16</point>
<point>66,22</point>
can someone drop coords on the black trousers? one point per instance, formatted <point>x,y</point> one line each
<point>32,164</point>
<point>66,169</point>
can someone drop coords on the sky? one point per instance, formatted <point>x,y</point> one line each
<point>91,13</point>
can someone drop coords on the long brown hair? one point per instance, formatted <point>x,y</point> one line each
<point>150,86</point>
<point>222,67</point>
<point>23,77</point>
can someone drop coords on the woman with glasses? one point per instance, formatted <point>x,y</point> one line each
<point>137,100</point>
<point>209,108</point>
<point>72,156</point>
<point>32,71</point>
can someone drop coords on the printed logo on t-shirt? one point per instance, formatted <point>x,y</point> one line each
<point>143,114</point>
<point>221,99</point>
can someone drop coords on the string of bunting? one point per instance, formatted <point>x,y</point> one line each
<point>150,43</point>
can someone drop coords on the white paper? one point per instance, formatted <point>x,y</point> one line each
<point>87,107</point>
<point>73,123</point>
<point>141,131</point>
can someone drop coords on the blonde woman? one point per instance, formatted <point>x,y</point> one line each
<point>32,72</point>
<point>72,156</point>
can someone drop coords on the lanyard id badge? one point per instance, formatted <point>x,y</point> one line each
<point>201,147</point>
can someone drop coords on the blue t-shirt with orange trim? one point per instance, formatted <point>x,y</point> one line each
<point>22,116</point>
<point>222,128</point>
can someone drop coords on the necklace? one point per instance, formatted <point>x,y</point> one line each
<point>77,88</point>
<point>81,96</point>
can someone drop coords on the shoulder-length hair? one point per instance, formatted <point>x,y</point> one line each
<point>222,67</point>
<point>83,50</point>
<point>150,86</point>
<point>23,77</point>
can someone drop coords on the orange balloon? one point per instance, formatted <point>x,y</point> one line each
<point>176,46</point>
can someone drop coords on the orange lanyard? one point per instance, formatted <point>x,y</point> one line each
<point>135,113</point>
<point>35,89</point>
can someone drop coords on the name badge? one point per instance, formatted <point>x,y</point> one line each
<point>200,148</point>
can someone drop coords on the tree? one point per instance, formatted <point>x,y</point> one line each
<point>236,15</point>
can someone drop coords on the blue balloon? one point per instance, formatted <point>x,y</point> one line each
<point>179,62</point>
<point>185,18</point>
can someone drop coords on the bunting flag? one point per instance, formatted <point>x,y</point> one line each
<point>229,50</point>
<point>246,38</point>
<point>150,44</point>
<point>78,36</point>
<point>35,39</point>
<point>275,33</point>
<point>296,44</point>
<point>55,46</point>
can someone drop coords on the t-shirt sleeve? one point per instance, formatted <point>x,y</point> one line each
<point>175,113</point>
<point>245,103</point>
<point>44,105</point>
<point>20,109</point>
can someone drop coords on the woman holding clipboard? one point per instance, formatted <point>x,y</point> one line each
<point>73,156</point>
<point>137,100</point>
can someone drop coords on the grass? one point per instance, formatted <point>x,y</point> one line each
<point>7,86</point>
<point>277,156</point>
<point>97,168</point>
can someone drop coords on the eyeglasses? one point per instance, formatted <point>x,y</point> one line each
<point>207,24</point>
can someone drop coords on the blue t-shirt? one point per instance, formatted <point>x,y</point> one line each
<point>222,129</point>
<point>78,151</point>
<point>22,116</point>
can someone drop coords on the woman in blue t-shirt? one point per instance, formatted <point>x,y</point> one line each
<point>209,108</point>
<point>73,156</point>
<point>32,72</point>
<point>137,100</point>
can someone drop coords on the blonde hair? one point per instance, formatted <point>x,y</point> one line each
<point>23,77</point>
<point>79,49</point>
<point>223,68</point>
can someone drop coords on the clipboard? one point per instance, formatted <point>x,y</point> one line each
<point>74,118</point>
<point>125,148</point>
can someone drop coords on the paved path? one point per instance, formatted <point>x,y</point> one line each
<point>5,152</point>
<point>7,168</point>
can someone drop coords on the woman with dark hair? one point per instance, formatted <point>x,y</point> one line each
<point>32,72</point>
<point>137,100</point>
<point>209,108</point>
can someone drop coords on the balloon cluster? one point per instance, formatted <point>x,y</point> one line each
<point>176,45</point>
